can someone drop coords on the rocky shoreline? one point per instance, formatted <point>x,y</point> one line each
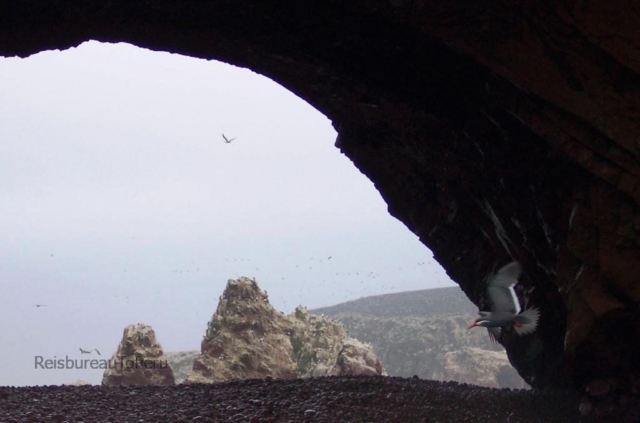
<point>322,399</point>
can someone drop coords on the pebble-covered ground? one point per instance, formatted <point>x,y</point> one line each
<point>328,399</point>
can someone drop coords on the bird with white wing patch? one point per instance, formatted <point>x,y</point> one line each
<point>505,307</point>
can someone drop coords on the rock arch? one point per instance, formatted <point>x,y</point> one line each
<point>493,130</point>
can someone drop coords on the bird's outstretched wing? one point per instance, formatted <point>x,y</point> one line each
<point>227,140</point>
<point>500,288</point>
<point>96,350</point>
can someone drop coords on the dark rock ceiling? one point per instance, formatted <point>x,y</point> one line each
<point>495,130</point>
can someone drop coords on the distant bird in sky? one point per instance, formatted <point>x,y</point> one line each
<point>39,305</point>
<point>84,352</point>
<point>228,141</point>
<point>505,307</point>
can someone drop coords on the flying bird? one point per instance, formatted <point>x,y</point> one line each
<point>228,141</point>
<point>505,307</point>
<point>39,305</point>
<point>84,352</point>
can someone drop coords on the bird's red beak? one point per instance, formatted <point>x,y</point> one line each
<point>473,325</point>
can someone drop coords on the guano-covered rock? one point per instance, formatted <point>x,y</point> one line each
<point>247,338</point>
<point>138,360</point>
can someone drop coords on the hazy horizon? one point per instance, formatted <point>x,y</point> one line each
<point>122,204</point>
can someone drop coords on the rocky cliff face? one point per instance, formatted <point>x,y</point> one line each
<point>247,339</point>
<point>139,360</point>
<point>424,333</point>
<point>481,367</point>
<point>494,130</point>
<point>421,346</point>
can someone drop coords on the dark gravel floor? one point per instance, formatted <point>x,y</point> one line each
<point>329,399</point>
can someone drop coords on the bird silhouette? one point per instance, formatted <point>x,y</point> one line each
<point>39,305</point>
<point>84,352</point>
<point>505,307</point>
<point>228,141</point>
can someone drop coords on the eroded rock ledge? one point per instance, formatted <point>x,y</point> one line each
<point>494,130</point>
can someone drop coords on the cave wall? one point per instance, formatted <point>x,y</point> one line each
<point>495,130</point>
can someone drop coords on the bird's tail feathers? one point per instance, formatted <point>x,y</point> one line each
<point>528,320</point>
<point>494,334</point>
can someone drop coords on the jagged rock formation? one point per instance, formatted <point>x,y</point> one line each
<point>139,360</point>
<point>494,130</point>
<point>419,332</point>
<point>322,347</point>
<point>357,358</point>
<point>181,362</point>
<point>247,339</point>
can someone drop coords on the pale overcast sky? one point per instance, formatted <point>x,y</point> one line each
<point>120,203</point>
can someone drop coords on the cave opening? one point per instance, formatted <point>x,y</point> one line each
<point>123,202</point>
